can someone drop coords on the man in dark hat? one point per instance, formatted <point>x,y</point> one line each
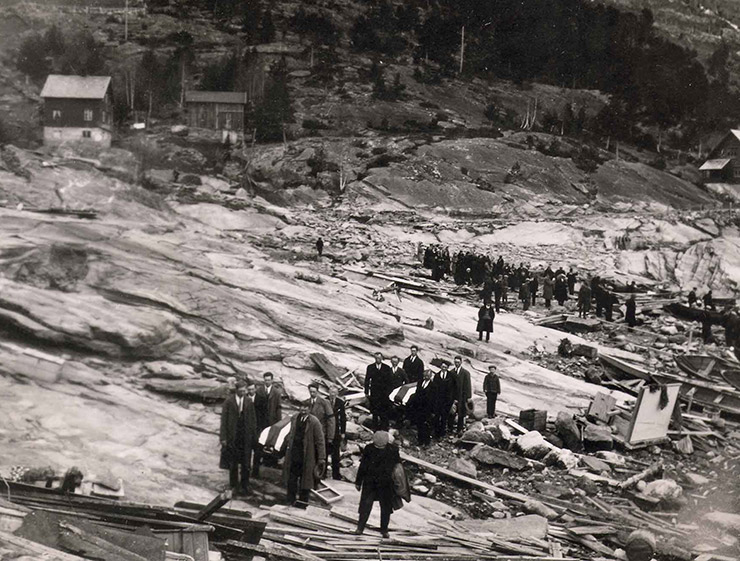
<point>378,386</point>
<point>445,391</point>
<point>491,387</point>
<point>305,456</point>
<point>375,480</point>
<point>413,365</point>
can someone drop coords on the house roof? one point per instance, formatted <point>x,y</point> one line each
<point>75,87</point>
<point>710,165</point>
<point>216,97</point>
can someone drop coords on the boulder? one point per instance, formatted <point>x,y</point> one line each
<point>430,478</point>
<point>595,465</point>
<point>597,438</point>
<point>420,489</point>
<point>556,491</point>
<point>665,490</point>
<point>568,431</point>
<point>536,507</point>
<point>532,445</point>
<point>190,179</point>
<point>562,458</point>
<point>476,426</point>
<point>500,432</point>
<point>482,436</point>
<point>463,467</point>
<point>696,479</point>
<point>494,457</point>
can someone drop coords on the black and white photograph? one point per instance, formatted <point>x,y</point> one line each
<point>369,280</point>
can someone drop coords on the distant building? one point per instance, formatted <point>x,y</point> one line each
<point>723,165</point>
<point>77,109</point>
<point>222,111</point>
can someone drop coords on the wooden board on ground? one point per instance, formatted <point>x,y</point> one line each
<point>326,366</point>
<point>600,407</point>
<point>649,420</point>
<point>326,493</point>
<point>528,526</point>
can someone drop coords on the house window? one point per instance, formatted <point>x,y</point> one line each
<point>86,134</point>
<point>88,114</point>
<point>56,114</point>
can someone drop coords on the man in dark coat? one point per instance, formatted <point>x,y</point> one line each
<point>413,365</point>
<point>497,292</point>
<point>708,300</point>
<point>706,326</point>
<point>305,456</point>
<point>445,390</point>
<point>269,409</point>
<point>534,285</point>
<point>378,386</point>
<point>561,289</point>
<point>524,294</point>
<point>693,299</point>
<point>422,404</point>
<point>398,374</point>
<point>320,246</point>
<point>571,278</point>
<point>319,407</point>
<point>238,435</point>
<point>486,313</point>
<point>548,289</point>
<point>375,479</point>
<point>491,387</point>
<point>631,311</point>
<point>464,395</point>
<point>335,445</point>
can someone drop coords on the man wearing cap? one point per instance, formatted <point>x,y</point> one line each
<point>464,395</point>
<point>445,390</point>
<point>375,480</point>
<point>238,435</point>
<point>378,386</point>
<point>305,456</point>
<point>413,365</point>
<point>491,387</point>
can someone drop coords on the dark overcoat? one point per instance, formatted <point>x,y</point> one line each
<point>269,407</point>
<point>314,451</point>
<point>485,319</point>
<point>414,368</point>
<point>230,419</point>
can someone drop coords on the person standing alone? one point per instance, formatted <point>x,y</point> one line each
<point>486,314</point>
<point>491,387</point>
<point>305,457</point>
<point>375,480</point>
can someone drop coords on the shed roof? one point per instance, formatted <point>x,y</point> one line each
<point>75,87</point>
<point>216,97</point>
<point>710,165</point>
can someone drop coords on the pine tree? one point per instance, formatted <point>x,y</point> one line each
<point>31,59</point>
<point>275,110</point>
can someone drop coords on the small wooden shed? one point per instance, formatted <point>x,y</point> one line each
<point>216,110</point>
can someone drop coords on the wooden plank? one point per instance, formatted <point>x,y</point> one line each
<point>326,366</point>
<point>469,480</point>
<point>218,501</point>
<point>41,552</point>
<point>592,530</point>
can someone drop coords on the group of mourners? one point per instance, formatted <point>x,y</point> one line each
<point>439,403</point>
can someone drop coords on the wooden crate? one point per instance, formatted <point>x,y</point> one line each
<point>533,419</point>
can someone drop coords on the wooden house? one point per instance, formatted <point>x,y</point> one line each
<point>222,111</point>
<point>77,109</point>
<point>723,165</point>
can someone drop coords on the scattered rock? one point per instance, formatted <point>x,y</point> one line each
<point>561,457</point>
<point>494,457</point>
<point>500,432</point>
<point>724,520</point>
<point>430,478</point>
<point>666,491</point>
<point>597,438</point>
<point>482,436</point>
<point>595,465</point>
<point>696,479</point>
<point>536,507</point>
<point>463,467</point>
<point>568,431</point>
<point>533,445</point>
<point>179,130</point>
<point>420,489</point>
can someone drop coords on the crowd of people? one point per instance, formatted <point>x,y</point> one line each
<point>439,403</point>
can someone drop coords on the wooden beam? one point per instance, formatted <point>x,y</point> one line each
<point>500,492</point>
